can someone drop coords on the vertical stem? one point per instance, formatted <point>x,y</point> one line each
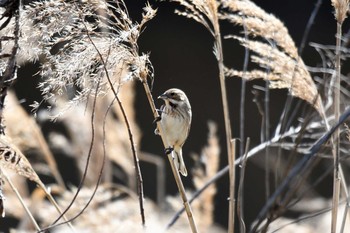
<point>223,90</point>
<point>240,212</point>
<point>220,59</point>
<point>267,137</point>
<point>336,176</point>
<point>232,170</point>
<point>243,92</point>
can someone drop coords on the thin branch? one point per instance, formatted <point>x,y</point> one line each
<point>240,213</point>
<point>232,174</point>
<point>243,91</point>
<point>228,129</point>
<point>266,128</point>
<point>308,26</point>
<point>341,9</point>
<point>13,187</point>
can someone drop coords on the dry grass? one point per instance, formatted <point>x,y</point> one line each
<point>278,57</point>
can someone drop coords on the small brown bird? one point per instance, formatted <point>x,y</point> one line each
<point>175,119</point>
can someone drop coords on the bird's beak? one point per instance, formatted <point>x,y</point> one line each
<point>163,96</point>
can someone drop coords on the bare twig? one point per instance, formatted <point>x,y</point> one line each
<point>228,129</point>
<point>341,8</point>
<point>232,171</point>
<point>336,140</point>
<point>241,188</point>
<point>308,26</point>
<point>243,92</point>
<point>13,187</point>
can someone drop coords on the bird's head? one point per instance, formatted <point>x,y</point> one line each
<point>174,97</point>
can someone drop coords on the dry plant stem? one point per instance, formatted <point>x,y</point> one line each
<point>336,176</point>
<point>132,144</point>
<point>8,180</point>
<point>346,209</point>
<point>240,190</point>
<point>266,134</point>
<point>136,161</point>
<point>223,89</point>
<point>243,93</point>
<point>52,200</point>
<point>228,131</point>
<point>50,159</point>
<point>308,27</point>
<point>182,192</point>
<point>231,209</point>
<point>176,174</point>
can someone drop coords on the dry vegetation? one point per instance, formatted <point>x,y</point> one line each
<point>85,167</point>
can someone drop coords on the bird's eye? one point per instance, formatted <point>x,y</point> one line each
<point>172,93</point>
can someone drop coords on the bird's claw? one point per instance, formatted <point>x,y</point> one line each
<point>158,118</point>
<point>168,150</point>
<point>156,132</point>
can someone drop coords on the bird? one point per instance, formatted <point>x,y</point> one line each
<point>175,120</point>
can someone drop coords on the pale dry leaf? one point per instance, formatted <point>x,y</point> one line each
<point>12,158</point>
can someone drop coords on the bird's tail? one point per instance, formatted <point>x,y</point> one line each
<point>180,163</point>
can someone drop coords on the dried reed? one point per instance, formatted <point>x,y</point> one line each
<point>283,67</point>
<point>341,9</point>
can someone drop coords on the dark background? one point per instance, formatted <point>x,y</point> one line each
<point>181,53</point>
